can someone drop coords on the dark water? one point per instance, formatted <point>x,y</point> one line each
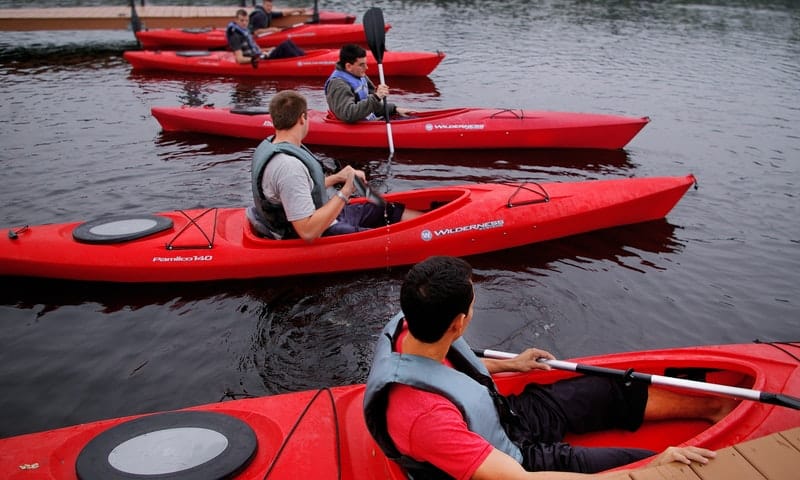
<point>719,79</point>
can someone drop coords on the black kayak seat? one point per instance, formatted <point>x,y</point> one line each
<point>197,29</point>
<point>259,227</point>
<point>250,110</point>
<point>192,53</point>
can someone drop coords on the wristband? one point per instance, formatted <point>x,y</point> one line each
<point>343,197</point>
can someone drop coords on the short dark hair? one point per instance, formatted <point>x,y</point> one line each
<point>241,13</point>
<point>434,292</point>
<point>350,53</point>
<point>286,107</point>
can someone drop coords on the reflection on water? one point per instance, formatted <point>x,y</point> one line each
<point>628,247</point>
<point>718,79</point>
<point>257,92</point>
<point>176,144</point>
<point>448,166</point>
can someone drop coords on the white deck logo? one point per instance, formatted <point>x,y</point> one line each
<point>454,126</point>
<point>428,235</point>
<point>181,258</point>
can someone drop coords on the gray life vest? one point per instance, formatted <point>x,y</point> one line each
<point>272,214</point>
<point>472,397</point>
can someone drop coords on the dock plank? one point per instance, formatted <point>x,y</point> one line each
<point>773,457</point>
<point>119,17</point>
<point>728,464</point>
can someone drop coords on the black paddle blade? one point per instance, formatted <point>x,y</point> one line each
<point>374,28</point>
<point>364,190</point>
<point>315,16</point>
<point>136,22</point>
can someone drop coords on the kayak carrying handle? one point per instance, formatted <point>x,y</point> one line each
<point>545,197</point>
<point>646,378</point>
<point>14,234</point>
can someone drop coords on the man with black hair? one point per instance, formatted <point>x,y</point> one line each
<point>351,95</point>
<point>432,406</point>
<point>293,197</point>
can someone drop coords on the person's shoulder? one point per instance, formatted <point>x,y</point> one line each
<point>289,161</point>
<point>285,158</point>
<point>418,400</point>
<point>338,81</point>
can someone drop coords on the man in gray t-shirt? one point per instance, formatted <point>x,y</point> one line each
<point>291,176</point>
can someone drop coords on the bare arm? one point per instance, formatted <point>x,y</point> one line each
<point>524,362</point>
<point>311,228</point>
<point>292,11</point>
<point>241,57</point>
<point>266,31</point>
<point>498,465</point>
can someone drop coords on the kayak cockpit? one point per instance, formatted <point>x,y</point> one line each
<point>425,115</point>
<point>658,435</point>
<point>435,203</point>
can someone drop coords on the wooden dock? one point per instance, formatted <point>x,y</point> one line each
<point>119,17</point>
<point>774,457</point>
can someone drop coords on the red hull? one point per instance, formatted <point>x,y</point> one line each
<point>456,128</point>
<point>304,35</point>
<point>315,63</point>
<point>328,17</point>
<point>52,455</point>
<point>216,244</point>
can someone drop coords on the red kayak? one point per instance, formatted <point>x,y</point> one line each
<point>275,436</point>
<point>452,128</point>
<point>304,35</point>
<point>315,63</point>
<point>219,243</point>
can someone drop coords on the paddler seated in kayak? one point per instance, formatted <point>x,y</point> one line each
<point>439,423</point>
<point>292,195</point>
<point>262,15</point>
<point>350,93</point>
<point>245,48</point>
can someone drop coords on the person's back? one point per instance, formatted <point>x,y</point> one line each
<point>260,20</point>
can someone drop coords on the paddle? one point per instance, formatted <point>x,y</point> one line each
<point>364,190</point>
<point>375,31</point>
<point>136,22</point>
<point>315,16</point>
<point>631,376</point>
